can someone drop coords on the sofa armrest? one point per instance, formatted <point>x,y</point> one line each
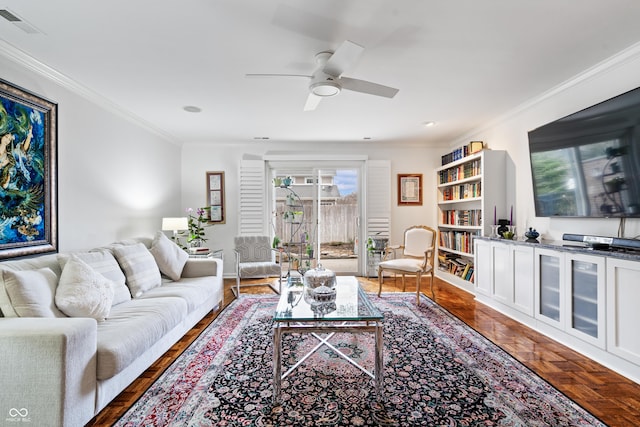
<point>48,370</point>
<point>199,267</point>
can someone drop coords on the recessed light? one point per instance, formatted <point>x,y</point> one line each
<point>261,137</point>
<point>192,109</point>
<point>429,124</point>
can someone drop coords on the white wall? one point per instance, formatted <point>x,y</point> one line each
<point>199,158</point>
<point>115,178</point>
<point>613,77</point>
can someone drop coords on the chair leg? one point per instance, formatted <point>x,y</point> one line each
<point>433,294</point>
<point>237,286</point>
<point>404,286</point>
<point>380,279</point>
<point>418,280</point>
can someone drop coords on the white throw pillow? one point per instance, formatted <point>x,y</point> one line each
<point>139,268</point>
<point>169,257</point>
<point>32,292</point>
<point>83,292</point>
<point>104,263</point>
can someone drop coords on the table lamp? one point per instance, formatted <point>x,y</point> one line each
<point>175,225</point>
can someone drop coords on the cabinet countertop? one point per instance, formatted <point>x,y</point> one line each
<point>572,247</point>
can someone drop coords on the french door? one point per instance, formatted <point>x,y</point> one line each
<point>329,195</point>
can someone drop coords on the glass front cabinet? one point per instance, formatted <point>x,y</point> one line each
<point>570,293</point>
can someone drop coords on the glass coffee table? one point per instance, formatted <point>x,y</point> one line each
<point>351,312</point>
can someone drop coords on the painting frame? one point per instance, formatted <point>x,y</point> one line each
<point>28,173</point>
<point>215,197</point>
<point>410,189</point>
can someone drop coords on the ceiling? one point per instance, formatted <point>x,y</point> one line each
<point>458,63</point>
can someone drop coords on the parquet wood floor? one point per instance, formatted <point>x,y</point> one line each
<point>607,395</point>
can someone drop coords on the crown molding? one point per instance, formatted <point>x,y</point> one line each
<point>621,58</point>
<point>23,59</point>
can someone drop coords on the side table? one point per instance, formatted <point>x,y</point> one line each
<point>214,253</point>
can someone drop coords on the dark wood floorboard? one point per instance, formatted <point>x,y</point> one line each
<point>609,396</point>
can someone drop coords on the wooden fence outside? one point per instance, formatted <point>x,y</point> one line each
<point>337,223</point>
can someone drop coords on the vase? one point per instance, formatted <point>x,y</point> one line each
<point>196,243</point>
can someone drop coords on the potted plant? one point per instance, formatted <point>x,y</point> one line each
<point>276,242</point>
<point>309,250</point>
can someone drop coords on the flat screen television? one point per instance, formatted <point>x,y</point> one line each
<point>587,164</point>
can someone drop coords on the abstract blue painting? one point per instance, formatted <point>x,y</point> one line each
<point>28,160</point>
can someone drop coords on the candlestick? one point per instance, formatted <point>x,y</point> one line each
<point>494,216</point>
<point>511,218</point>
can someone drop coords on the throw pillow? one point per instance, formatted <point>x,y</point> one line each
<point>83,292</point>
<point>104,263</point>
<point>139,268</point>
<point>32,292</point>
<point>169,257</point>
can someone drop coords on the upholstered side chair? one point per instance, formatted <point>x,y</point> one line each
<point>414,257</point>
<point>255,259</point>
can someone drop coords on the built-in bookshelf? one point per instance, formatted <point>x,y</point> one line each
<point>469,191</point>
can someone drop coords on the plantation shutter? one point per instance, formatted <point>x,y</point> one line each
<point>252,198</point>
<point>378,197</point>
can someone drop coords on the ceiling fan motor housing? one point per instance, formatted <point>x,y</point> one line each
<point>324,85</point>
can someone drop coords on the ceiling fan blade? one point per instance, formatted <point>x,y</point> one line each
<point>312,102</point>
<point>367,87</point>
<point>275,75</point>
<point>346,55</point>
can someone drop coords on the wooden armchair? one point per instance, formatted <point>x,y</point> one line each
<point>414,257</point>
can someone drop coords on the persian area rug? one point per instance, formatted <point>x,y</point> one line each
<point>437,372</point>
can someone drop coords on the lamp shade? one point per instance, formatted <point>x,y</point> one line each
<point>175,224</point>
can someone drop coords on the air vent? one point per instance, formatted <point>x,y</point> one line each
<point>19,22</point>
<point>9,16</point>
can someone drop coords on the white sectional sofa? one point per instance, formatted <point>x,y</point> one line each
<point>79,328</point>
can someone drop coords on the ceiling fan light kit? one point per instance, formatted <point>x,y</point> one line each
<point>327,80</point>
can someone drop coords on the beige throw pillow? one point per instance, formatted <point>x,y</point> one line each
<point>169,257</point>
<point>32,292</point>
<point>139,268</point>
<point>83,292</point>
<point>104,263</point>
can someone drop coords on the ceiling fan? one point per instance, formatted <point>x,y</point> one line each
<point>327,79</point>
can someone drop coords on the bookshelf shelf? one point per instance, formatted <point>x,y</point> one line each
<point>468,189</point>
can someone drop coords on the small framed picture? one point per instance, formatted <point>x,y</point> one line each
<point>215,197</point>
<point>410,189</point>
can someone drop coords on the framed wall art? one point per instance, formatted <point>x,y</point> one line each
<point>215,197</point>
<point>28,173</point>
<point>410,189</point>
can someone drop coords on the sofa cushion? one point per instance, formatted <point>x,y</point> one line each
<point>104,263</point>
<point>139,268</point>
<point>32,292</point>
<point>192,290</point>
<point>82,291</point>
<point>169,257</point>
<point>133,328</point>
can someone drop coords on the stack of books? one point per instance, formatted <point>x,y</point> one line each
<point>199,251</point>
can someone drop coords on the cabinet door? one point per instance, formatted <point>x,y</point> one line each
<point>483,271</point>
<point>502,277</point>
<point>523,278</point>
<point>623,311</point>
<point>585,287</point>
<point>549,275</point>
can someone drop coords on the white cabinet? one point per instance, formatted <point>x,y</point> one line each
<point>523,278</point>
<point>587,300</point>
<point>570,290</point>
<point>585,297</point>
<point>468,192</point>
<point>505,273</point>
<point>549,277</point>
<point>623,309</point>
<point>484,267</point>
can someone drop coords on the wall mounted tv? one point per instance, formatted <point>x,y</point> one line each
<point>588,164</point>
